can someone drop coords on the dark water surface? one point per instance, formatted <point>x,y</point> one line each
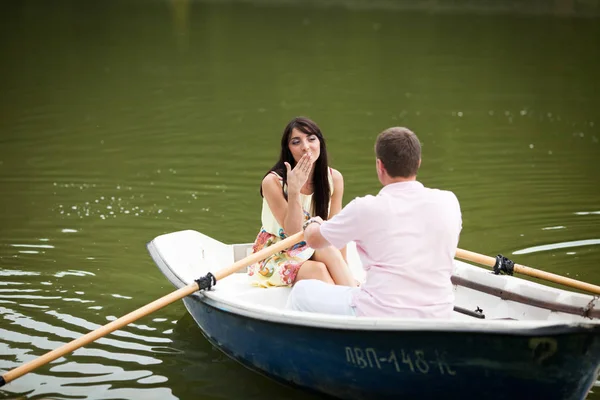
<point>123,120</point>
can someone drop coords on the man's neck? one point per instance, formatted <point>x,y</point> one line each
<point>397,179</point>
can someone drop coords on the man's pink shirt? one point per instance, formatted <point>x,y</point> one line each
<point>406,238</point>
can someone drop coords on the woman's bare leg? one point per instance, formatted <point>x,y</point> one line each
<point>314,270</point>
<point>337,267</point>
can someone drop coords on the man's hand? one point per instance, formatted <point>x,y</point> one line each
<point>317,219</point>
<point>312,233</point>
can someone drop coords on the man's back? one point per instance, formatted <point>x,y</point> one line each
<point>406,237</point>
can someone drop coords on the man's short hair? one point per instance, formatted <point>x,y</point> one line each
<point>399,150</point>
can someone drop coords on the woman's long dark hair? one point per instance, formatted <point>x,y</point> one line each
<point>322,192</point>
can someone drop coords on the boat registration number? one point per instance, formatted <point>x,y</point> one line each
<point>412,361</point>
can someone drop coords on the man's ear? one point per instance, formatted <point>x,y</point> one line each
<point>381,172</point>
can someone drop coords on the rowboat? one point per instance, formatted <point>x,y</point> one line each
<point>508,338</point>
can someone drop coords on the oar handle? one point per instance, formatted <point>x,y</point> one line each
<point>145,310</point>
<point>521,269</point>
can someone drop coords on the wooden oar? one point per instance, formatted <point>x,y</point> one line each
<point>521,269</point>
<point>202,283</point>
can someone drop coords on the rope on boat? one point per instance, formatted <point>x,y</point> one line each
<point>503,265</point>
<point>206,282</point>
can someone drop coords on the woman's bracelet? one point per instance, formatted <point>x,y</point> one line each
<point>308,222</point>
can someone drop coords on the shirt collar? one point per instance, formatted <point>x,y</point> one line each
<point>401,186</point>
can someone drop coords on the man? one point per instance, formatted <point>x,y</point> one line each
<point>406,238</point>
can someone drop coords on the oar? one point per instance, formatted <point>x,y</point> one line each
<point>503,264</point>
<point>205,282</point>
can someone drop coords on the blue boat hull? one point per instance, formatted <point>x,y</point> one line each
<point>548,363</point>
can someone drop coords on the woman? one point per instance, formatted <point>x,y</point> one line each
<point>300,185</point>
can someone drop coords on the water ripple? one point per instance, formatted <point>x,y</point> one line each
<point>555,246</point>
<point>8,272</point>
<point>76,321</point>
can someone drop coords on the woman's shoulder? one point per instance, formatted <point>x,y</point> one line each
<point>336,175</point>
<point>271,179</point>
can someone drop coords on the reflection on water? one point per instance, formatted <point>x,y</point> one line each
<point>123,120</point>
<point>205,368</point>
<point>139,360</point>
<point>180,10</point>
<point>106,369</point>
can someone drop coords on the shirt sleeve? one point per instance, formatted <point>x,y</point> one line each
<point>344,226</point>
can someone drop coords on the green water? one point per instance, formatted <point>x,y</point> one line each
<point>123,120</point>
